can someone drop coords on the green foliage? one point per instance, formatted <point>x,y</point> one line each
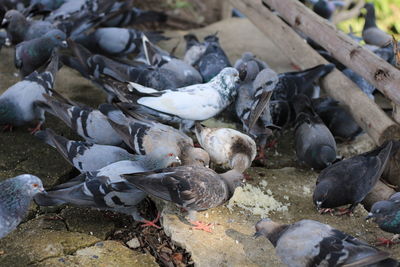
<point>179,4</point>
<point>387,16</point>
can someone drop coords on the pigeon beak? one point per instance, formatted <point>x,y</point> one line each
<point>319,203</point>
<point>257,234</point>
<point>370,215</point>
<point>4,23</point>
<point>64,44</point>
<point>8,42</point>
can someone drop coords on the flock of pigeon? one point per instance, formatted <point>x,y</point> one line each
<point>140,142</point>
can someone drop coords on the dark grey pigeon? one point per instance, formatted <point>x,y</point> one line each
<point>19,29</point>
<point>155,56</point>
<point>371,34</point>
<point>105,188</point>
<point>148,137</point>
<point>16,195</point>
<point>289,84</point>
<point>89,123</point>
<point>194,49</point>
<point>194,188</point>
<point>86,156</point>
<point>30,55</point>
<point>19,103</point>
<point>350,180</point>
<point>213,60</point>
<point>363,84</point>
<point>315,145</point>
<point>386,213</point>
<point>326,8</point>
<point>337,118</point>
<point>311,243</point>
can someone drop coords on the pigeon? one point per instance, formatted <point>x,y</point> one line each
<point>30,55</point>
<point>386,213</point>
<point>371,33</point>
<point>326,8</point>
<point>194,49</point>
<point>314,143</point>
<point>311,243</point>
<point>89,123</point>
<point>148,137</point>
<point>194,188</point>
<point>19,29</point>
<point>336,117</point>
<point>227,147</point>
<point>288,85</point>
<point>3,39</point>
<point>155,56</point>
<point>350,180</point>
<point>16,195</point>
<point>363,84</point>
<point>207,99</point>
<point>19,103</point>
<point>247,57</point>
<point>105,188</point>
<point>85,156</point>
<point>114,41</point>
<point>213,60</point>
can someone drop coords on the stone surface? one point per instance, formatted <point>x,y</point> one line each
<point>106,253</point>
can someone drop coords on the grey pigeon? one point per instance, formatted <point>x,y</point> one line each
<point>311,243</point>
<point>89,123</point>
<point>16,195</point>
<point>155,56</point>
<point>105,188</point>
<point>326,8</point>
<point>315,145</point>
<point>147,137</point>
<point>337,118</point>
<point>386,213</point>
<point>19,103</point>
<point>194,188</point>
<point>371,33</point>
<point>363,84</point>
<point>3,39</point>
<point>30,55</point>
<point>213,60</point>
<point>19,29</point>
<point>85,156</point>
<point>194,49</point>
<point>207,99</point>
<point>227,147</point>
<point>289,84</point>
<point>350,180</point>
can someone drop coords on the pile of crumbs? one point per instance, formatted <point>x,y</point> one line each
<point>253,199</point>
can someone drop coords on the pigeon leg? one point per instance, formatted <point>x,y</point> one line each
<point>326,210</point>
<point>387,242</point>
<point>36,129</point>
<point>202,226</point>
<point>152,223</point>
<point>261,153</point>
<point>8,127</point>
<point>345,211</point>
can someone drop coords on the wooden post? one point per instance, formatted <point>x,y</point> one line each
<point>374,69</point>
<point>367,114</point>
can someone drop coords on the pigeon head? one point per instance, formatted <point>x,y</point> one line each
<point>321,191</point>
<point>380,210</point>
<point>266,79</point>
<point>31,184</point>
<point>196,156</point>
<point>248,71</point>
<point>233,179</point>
<point>8,112</point>
<point>191,40</point>
<point>248,56</point>
<point>11,17</point>
<point>172,160</point>
<point>57,37</point>
<point>228,78</point>
<point>270,230</point>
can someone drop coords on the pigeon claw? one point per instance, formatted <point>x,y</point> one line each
<point>327,210</point>
<point>36,129</point>
<point>152,223</point>
<point>345,211</point>
<point>202,226</point>
<point>385,242</point>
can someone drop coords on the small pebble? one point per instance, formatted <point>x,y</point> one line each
<point>133,243</point>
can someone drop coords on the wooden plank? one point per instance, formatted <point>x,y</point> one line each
<point>367,114</point>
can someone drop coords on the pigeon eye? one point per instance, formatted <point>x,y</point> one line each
<point>35,185</point>
<point>170,154</point>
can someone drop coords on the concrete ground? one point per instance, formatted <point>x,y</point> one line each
<point>85,237</point>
